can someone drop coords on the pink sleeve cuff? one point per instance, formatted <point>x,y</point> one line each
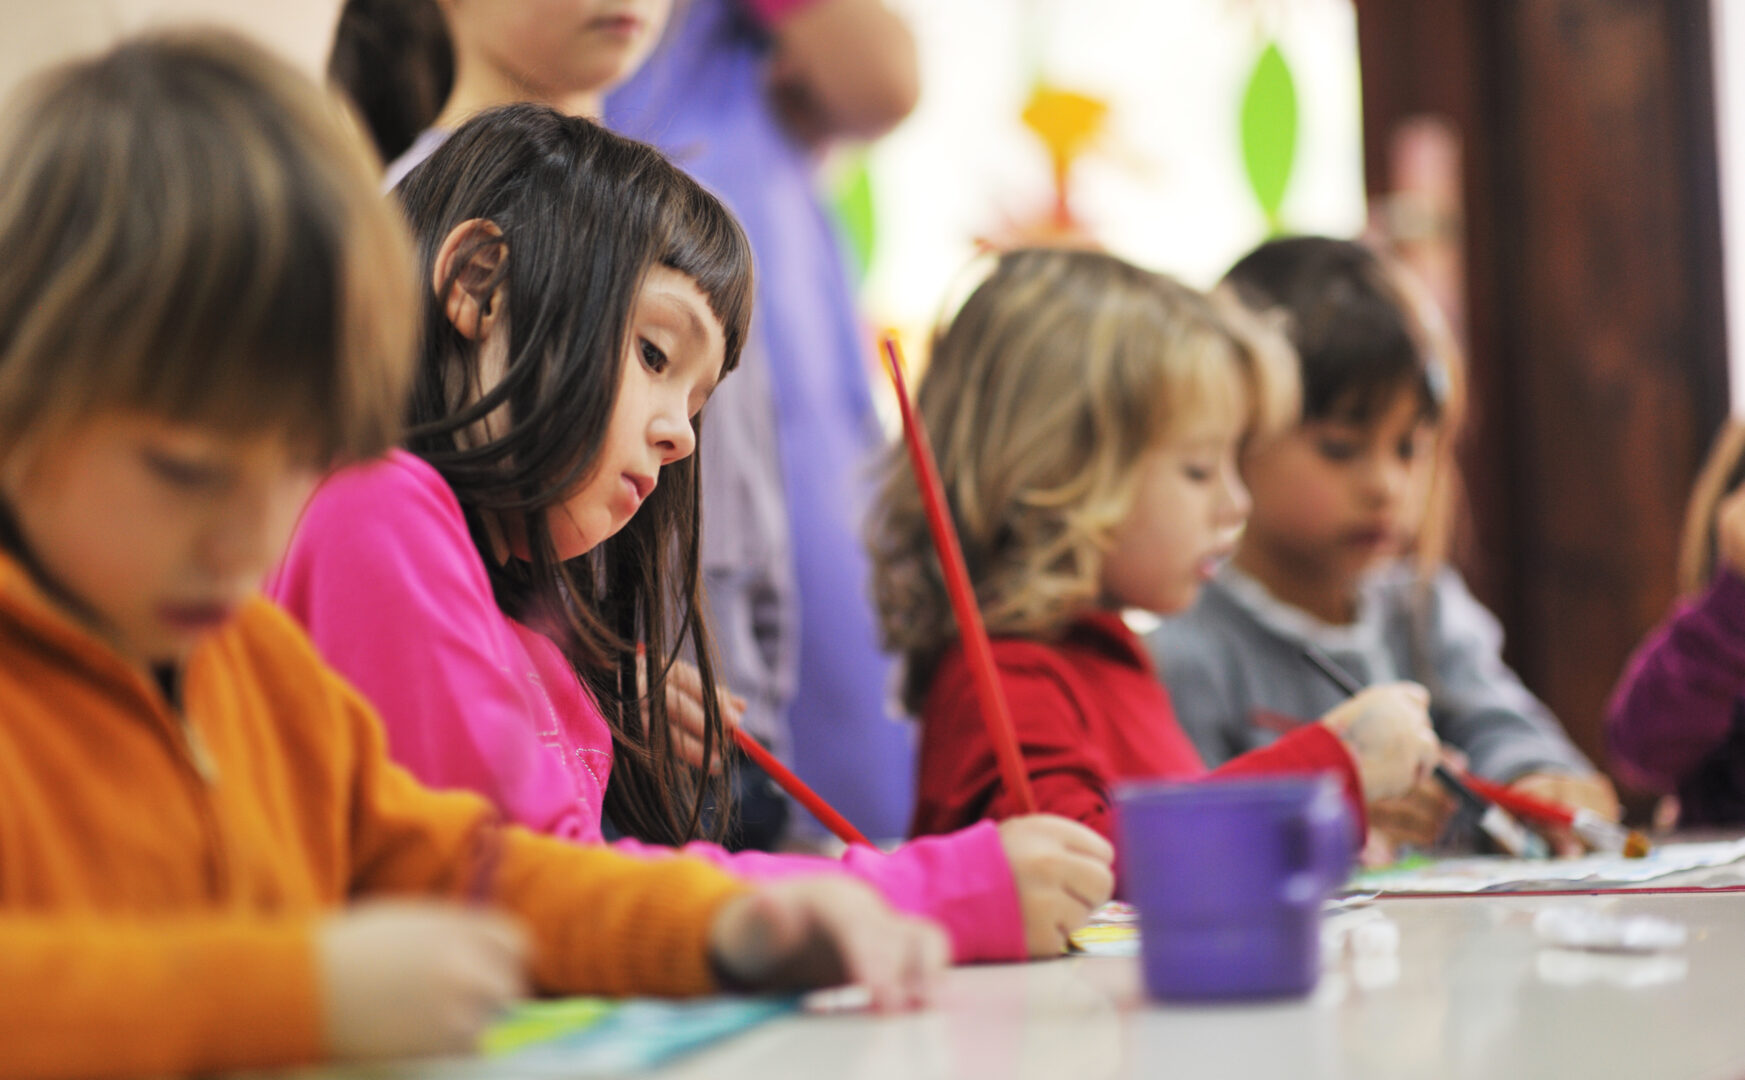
<point>770,12</point>
<point>960,880</point>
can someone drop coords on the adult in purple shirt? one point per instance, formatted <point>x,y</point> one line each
<point>741,94</point>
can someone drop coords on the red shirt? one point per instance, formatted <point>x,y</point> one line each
<point>1089,711</point>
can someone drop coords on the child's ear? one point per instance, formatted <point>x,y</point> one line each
<point>469,266</point>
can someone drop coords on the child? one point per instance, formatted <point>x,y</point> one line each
<point>418,69</point>
<point>748,95</point>
<point>1338,501</point>
<point>1672,721</point>
<point>394,56</point>
<point>1085,415</point>
<point>203,305</point>
<point>488,590</point>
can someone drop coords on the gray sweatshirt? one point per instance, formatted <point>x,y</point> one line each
<point>1237,677</point>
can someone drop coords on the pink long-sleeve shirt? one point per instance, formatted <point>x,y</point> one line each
<point>383,574</point>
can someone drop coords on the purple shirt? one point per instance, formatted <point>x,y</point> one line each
<point>1671,721</point>
<point>383,573</point>
<point>702,98</point>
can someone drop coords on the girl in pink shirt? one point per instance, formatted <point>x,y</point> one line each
<point>488,589</point>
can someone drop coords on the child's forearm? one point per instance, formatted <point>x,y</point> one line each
<point>959,879</point>
<point>603,922</point>
<point>85,996</point>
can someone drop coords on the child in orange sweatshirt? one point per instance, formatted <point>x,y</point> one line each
<point>204,305</point>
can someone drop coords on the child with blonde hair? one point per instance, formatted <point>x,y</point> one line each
<point>1346,549</point>
<point>1086,416</point>
<point>209,862</point>
<point>1673,724</point>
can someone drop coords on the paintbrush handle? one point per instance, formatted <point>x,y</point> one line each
<point>1522,804</point>
<point>801,792</point>
<point>979,651</point>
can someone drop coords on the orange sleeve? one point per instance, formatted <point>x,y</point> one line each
<point>88,996</point>
<point>602,922</point>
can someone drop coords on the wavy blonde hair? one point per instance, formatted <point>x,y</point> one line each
<point>1041,396</point>
<point>1723,471</point>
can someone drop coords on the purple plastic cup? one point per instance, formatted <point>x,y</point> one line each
<point>1229,877</point>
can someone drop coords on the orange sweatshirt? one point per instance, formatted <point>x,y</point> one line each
<point>162,874</point>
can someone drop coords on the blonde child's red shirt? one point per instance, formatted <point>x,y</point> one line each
<point>1089,711</point>
<point>163,871</point>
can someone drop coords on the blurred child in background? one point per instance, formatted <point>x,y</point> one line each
<point>1673,723</point>
<point>1345,550</point>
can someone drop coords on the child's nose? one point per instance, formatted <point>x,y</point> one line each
<point>1236,503</point>
<point>672,435</point>
<point>1387,479</point>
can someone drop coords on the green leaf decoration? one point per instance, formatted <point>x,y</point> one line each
<point>1269,131</point>
<point>851,204</point>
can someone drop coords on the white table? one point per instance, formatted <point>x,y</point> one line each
<point>1472,994</point>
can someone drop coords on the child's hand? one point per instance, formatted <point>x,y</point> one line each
<point>1387,729</point>
<point>1063,872</point>
<point>825,931</point>
<point>1581,791</point>
<point>1416,818</point>
<point>409,978</point>
<point>1730,531</point>
<point>684,711</point>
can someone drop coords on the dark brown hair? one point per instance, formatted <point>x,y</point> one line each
<point>1364,331</point>
<point>584,215</point>
<point>190,228</point>
<point>395,61</point>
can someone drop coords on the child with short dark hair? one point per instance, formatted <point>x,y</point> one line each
<point>1345,549</point>
<point>203,307</point>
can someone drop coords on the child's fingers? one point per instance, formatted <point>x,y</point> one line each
<point>1089,881</point>
<point>1077,838</point>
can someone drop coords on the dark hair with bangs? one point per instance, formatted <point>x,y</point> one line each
<point>1360,340</point>
<point>191,229</point>
<point>584,215</point>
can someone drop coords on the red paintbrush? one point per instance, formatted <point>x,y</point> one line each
<point>793,785</point>
<point>963,602</point>
<point>1594,831</point>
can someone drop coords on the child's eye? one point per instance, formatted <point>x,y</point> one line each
<point>1408,449</point>
<point>1336,449</point>
<point>652,357</point>
<point>1199,474</point>
<point>183,473</point>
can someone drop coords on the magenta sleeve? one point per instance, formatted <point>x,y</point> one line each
<point>960,880</point>
<point>382,573</point>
